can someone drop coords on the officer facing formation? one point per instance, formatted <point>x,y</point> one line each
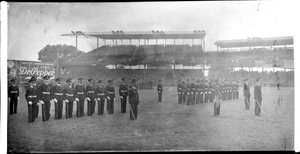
<point>123,92</point>
<point>159,90</point>
<point>179,91</point>
<point>101,97</point>
<point>69,98</point>
<point>110,93</point>
<point>184,92</point>
<point>79,98</point>
<point>133,100</point>
<point>257,97</point>
<point>57,95</point>
<point>32,100</point>
<point>90,97</point>
<point>45,97</point>
<point>246,90</point>
<point>13,96</point>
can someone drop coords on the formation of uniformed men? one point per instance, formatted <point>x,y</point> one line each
<point>46,95</point>
<point>203,91</point>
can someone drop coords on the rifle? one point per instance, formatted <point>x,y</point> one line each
<point>260,106</point>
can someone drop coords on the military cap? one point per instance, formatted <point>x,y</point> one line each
<point>109,81</point>
<point>257,79</point>
<point>69,80</point>
<point>246,80</point>
<point>123,79</point>
<point>33,78</point>
<point>58,79</point>
<point>46,77</point>
<point>13,80</point>
<point>134,80</point>
<point>80,79</point>
<point>90,80</point>
<point>100,81</point>
<point>198,80</point>
<point>187,79</point>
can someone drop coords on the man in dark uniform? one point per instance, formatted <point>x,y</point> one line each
<point>217,100</point>
<point>179,91</point>
<point>110,93</point>
<point>79,98</point>
<point>90,97</point>
<point>201,87</point>
<point>32,100</point>
<point>206,91</point>
<point>34,78</point>
<point>123,92</point>
<point>58,98</point>
<point>257,97</point>
<point>193,92</point>
<point>101,97</point>
<point>159,90</point>
<point>246,90</point>
<point>133,100</point>
<point>237,89</point>
<point>198,91</point>
<point>211,91</point>
<point>45,98</point>
<point>13,96</point>
<point>233,89</point>
<point>188,90</point>
<point>69,97</point>
<point>184,92</point>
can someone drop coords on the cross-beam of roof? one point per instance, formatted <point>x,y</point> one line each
<point>270,41</point>
<point>143,35</point>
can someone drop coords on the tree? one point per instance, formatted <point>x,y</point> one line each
<point>61,52</point>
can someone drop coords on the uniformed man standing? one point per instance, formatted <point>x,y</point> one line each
<point>13,96</point>
<point>246,90</point>
<point>101,97</point>
<point>58,98</point>
<point>90,97</point>
<point>233,89</point>
<point>45,98</point>
<point>218,99</point>
<point>110,93</point>
<point>257,97</point>
<point>206,91</point>
<point>123,92</point>
<point>69,97</point>
<point>198,91</point>
<point>188,90</point>
<point>201,87</point>
<point>32,100</point>
<point>211,91</point>
<point>79,98</point>
<point>133,100</point>
<point>184,92</point>
<point>237,89</point>
<point>159,90</point>
<point>179,91</point>
<point>193,92</point>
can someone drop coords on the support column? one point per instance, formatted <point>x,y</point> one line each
<point>192,42</point>
<point>104,42</point>
<point>97,47</point>
<point>156,41</point>
<point>130,41</point>
<point>204,44</point>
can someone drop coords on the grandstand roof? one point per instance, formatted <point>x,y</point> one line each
<point>143,35</point>
<point>250,42</point>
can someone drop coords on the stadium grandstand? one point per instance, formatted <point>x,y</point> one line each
<point>237,59</point>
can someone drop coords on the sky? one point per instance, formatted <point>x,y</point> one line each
<point>32,26</point>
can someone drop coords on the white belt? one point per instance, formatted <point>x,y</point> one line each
<point>46,93</point>
<point>111,92</point>
<point>123,91</point>
<point>14,91</point>
<point>32,96</point>
<point>58,93</point>
<point>90,91</point>
<point>100,94</point>
<point>80,92</point>
<point>69,94</point>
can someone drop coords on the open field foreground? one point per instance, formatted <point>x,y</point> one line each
<point>162,126</point>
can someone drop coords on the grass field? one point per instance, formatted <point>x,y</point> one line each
<point>162,126</point>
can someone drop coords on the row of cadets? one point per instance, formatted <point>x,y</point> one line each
<point>13,96</point>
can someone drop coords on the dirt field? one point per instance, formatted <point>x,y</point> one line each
<point>162,126</point>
